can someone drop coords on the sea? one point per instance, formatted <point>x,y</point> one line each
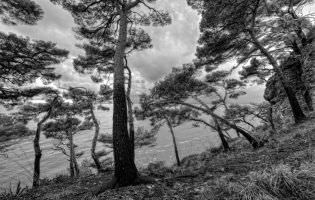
<point>17,165</point>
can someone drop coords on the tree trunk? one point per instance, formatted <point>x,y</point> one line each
<point>130,115</point>
<point>125,169</point>
<point>94,141</point>
<point>76,166</point>
<point>37,150</point>
<point>38,155</point>
<point>225,144</point>
<point>270,119</point>
<point>308,99</point>
<point>218,128</point>
<point>72,170</point>
<point>295,106</point>
<point>174,141</point>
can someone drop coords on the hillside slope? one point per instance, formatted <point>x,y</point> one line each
<point>283,169</point>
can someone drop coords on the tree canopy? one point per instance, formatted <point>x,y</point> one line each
<point>13,12</point>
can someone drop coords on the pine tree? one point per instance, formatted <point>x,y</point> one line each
<point>41,112</point>
<point>64,123</point>
<point>87,101</point>
<point>100,20</point>
<point>181,85</point>
<point>241,30</point>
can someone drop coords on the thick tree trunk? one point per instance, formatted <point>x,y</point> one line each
<point>37,150</point>
<point>130,115</point>
<point>225,144</point>
<point>295,106</point>
<point>174,141</point>
<point>294,103</point>
<point>94,141</point>
<point>125,169</point>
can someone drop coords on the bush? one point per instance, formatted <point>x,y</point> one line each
<point>13,193</point>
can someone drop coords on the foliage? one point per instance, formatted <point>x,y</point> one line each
<point>247,114</point>
<point>226,25</point>
<point>23,61</point>
<point>16,11</point>
<point>11,127</point>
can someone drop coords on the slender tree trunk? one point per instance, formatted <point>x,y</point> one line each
<point>174,141</point>
<point>218,128</point>
<point>308,99</point>
<point>94,141</point>
<point>37,150</point>
<point>295,106</point>
<point>38,155</point>
<point>125,169</point>
<point>225,144</point>
<point>76,166</point>
<point>72,167</point>
<point>270,119</point>
<point>130,114</point>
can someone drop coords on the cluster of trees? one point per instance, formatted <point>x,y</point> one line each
<point>110,32</point>
<point>263,36</point>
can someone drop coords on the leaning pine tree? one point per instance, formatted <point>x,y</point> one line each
<point>103,18</point>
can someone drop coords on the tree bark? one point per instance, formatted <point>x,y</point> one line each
<point>174,141</point>
<point>125,169</point>
<point>295,106</point>
<point>130,115</point>
<point>94,141</point>
<point>225,144</point>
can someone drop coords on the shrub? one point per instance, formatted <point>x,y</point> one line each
<point>13,193</point>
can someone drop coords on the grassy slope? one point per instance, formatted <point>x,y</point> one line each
<point>210,175</point>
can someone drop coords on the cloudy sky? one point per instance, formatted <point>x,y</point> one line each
<point>173,45</point>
